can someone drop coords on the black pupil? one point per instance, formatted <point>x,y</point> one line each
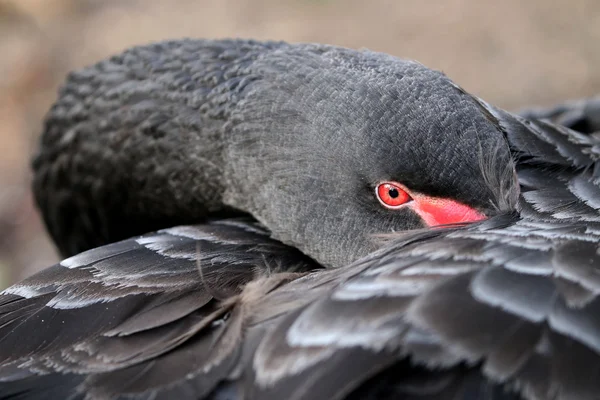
<point>393,193</point>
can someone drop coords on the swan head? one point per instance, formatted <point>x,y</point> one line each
<point>325,146</point>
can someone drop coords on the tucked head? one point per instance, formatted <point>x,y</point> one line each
<point>325,146</point>
<point>330,146</point>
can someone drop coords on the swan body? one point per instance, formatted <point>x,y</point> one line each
<point>260,299</point>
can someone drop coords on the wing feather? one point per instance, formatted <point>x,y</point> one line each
<point>507,308</point>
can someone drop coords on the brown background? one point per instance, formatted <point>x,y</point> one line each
<point>512,53</point>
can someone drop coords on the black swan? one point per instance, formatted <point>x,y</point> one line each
<point>368,230</point>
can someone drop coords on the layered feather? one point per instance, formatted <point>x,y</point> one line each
<point>507,308</point>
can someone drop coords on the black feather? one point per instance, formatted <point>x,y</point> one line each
<point>503,309</point>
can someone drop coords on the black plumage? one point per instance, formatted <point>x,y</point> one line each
<point>172,132</point>
<point>506,308</point>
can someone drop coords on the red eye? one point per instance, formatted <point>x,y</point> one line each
<point>392,195</point>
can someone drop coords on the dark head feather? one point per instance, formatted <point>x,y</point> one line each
<point>298,136</point>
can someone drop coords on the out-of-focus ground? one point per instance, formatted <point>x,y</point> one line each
<point>513,53</point>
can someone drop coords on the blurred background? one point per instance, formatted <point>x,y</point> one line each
<point>512,53</point>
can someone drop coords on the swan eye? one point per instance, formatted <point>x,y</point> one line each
<point>392,195</point>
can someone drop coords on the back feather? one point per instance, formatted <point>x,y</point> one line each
<point>504,309</point>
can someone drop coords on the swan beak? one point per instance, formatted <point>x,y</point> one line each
<point>439,211</point>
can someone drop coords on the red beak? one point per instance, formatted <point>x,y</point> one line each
<point>439,211</point>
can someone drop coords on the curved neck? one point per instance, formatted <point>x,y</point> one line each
<point>135,143</point>
<point>118,170</point>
